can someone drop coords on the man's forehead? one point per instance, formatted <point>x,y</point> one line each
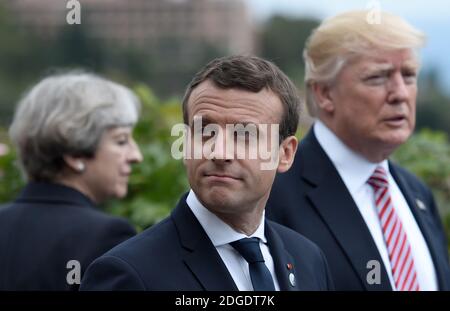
<point>390,59</point>
<point>223,120</point>
<point>209,89</point>
<point>208,99</point>
<point>387,65</point>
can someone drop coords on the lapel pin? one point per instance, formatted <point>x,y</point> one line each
<point>289,266</point>
<point>420,205</point>
<point>292,279</point>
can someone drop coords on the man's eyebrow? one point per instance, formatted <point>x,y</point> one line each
<point>377,67</point>
<point>253,127</point>
<point>245,123</point>
<point>205,120</point>
<point>411,65</point>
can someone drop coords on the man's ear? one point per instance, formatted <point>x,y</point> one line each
<point>75,163</point>
<point>288,148</point>
<point>322,94</point>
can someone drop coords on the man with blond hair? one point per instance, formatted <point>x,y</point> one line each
<point>377,224</point>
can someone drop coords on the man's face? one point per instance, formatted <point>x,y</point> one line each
<point>373,102</point>
<point>224,182</point>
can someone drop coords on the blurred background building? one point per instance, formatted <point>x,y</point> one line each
<point>145,23</point>
<point>160,42</point>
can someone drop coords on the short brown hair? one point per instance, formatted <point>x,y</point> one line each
<point>251,73</point>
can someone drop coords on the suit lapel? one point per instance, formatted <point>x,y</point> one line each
<point>412,198</point>
<point>334,203</point>
<point>201,257</point>
<point>281,259</point>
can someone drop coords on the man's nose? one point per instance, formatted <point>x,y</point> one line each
<point>223,148</point>
<point>398,89</point>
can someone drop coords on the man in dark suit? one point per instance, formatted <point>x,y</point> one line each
<point>217,237</point>
<point>377,224</point>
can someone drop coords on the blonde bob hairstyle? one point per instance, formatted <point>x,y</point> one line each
<point>340,38</point>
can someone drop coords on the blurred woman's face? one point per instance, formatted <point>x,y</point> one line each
<point>106,174</point>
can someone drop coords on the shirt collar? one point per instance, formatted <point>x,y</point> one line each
<point>353,168</point>
<point>217,230</point>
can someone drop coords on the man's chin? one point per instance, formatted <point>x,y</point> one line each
<point>398,139</point>
<point>218,196</point>
<point>394,138</point>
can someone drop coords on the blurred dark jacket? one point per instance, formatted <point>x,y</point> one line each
<point>47,227</point>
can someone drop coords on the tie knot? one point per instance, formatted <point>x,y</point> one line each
<point>249,249</point>
<point>379,179</point>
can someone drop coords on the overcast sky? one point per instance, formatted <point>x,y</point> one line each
<point>430,16</point>
<point>413,9</point>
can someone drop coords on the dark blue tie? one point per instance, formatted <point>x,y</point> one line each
<point>259,274</point>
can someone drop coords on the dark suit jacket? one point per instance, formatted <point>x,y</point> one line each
<point>47,226</point>
<point>177,254</point>
<point>312,199</point>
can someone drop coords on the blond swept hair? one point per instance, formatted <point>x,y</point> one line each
<point>351,34</point>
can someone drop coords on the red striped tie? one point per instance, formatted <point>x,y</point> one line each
<point>402,261</point>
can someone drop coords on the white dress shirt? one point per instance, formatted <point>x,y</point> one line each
<point>221,235</point>
<point>355,170</point>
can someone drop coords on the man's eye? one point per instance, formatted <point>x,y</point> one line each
<point>376,79</point>
<point>410,77</point>
<point>197,130</point>
<point>239,135</point>
<point>243,134</point>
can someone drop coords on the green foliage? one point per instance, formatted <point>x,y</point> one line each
<point>10,179</point>
<point>16,63</point>
<point>158,182</point>
<point>427,154</point>
<point>433,105</point>
<point>282,42</point>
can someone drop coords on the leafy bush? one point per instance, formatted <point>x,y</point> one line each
<point>427,154</point>
<point>10,179</point>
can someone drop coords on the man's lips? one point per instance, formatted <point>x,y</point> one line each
<point>221,177</point>
<point>396,120</point>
